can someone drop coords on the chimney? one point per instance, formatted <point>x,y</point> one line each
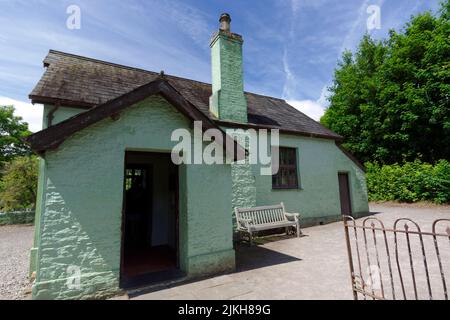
<point>228,100</point>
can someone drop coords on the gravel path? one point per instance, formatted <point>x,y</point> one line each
<point>15,244</point>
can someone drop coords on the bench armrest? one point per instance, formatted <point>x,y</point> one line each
<point>245,222</point>
<point>292,216</point>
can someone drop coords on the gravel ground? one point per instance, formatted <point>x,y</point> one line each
<point>15,244</point>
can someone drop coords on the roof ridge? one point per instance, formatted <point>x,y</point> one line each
<point>265,96</point>
<point>144,70</point>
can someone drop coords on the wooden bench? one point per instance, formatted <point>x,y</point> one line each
<point>256,219</point>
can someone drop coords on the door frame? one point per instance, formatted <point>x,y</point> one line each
<point>123,214</point>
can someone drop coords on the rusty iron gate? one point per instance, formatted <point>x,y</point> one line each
<point>402,262</point>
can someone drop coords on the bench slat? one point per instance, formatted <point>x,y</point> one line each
<point>264,218</point>
<point>260,208</point>
<point>281,215</point>
<point>262,215</point>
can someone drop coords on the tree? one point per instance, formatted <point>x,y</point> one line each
<point>12,131</point>
<point>391,99</point>
<point>18,186</point>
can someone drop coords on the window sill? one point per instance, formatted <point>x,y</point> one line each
<point>287,189</point>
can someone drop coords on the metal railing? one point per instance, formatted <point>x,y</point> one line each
<point>402,262</point>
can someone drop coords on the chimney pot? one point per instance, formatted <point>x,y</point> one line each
<point>225,21</point>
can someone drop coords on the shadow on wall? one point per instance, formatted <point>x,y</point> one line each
<point>80,234</point>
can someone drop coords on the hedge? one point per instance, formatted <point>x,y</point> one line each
<point>18,217</point>
<point>410,182</point>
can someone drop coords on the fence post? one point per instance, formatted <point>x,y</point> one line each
<point>350,258</point>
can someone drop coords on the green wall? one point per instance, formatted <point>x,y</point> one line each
<point>317,199</point>
<point>208,220</point>
<point>80,219</point>
<point>60,114</point>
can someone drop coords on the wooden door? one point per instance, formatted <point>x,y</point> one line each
<point>344,192</point>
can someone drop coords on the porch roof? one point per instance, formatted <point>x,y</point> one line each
<point>51,137</point>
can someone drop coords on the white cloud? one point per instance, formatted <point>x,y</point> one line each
<point>323,99</point>
<point>311,108</point>
<point>354,35</point>
<point>290,82</point>
<point>32,114</point>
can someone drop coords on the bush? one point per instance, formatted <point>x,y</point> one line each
<point>410,182</point>
<point>15,218</point>
<point>18,185</point>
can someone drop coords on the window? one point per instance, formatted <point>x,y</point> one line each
<point>135,176</point>
<point>287,176</point>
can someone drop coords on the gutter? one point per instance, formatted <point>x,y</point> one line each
<point>337,138</point>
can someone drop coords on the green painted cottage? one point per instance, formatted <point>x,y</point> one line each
<point>114,211</point>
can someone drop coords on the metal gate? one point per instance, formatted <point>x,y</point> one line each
<point>402,262</point>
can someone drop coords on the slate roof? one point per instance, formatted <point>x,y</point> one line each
<point>52,137</point>
<point>84,82</point>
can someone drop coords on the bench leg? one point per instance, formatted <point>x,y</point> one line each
<point>239,235</point>
<point>299,231</point>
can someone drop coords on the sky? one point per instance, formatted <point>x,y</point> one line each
<point>291,47</point>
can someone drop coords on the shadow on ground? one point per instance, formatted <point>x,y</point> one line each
<point>255,257</point>
<point>247,258</point>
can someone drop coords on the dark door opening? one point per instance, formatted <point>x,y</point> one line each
<point>150,219</point>
<point>344,192</point>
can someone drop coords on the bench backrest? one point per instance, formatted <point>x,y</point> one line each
<point>262,215</point>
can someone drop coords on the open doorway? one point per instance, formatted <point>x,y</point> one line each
<point>150,219</point>
<point>344,194</point>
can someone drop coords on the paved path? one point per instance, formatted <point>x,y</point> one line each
<point>312,267</point>
<point>15,244</point>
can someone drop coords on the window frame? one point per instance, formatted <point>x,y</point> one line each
<point>288,167</point>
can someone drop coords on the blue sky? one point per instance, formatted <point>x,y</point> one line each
<point>290,51</point>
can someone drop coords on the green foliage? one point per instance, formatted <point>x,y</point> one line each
<point>411,182</point>
<point>391,99</point>
<point>20,217</point>
<point>12,131</point>
<point>18,185</point>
